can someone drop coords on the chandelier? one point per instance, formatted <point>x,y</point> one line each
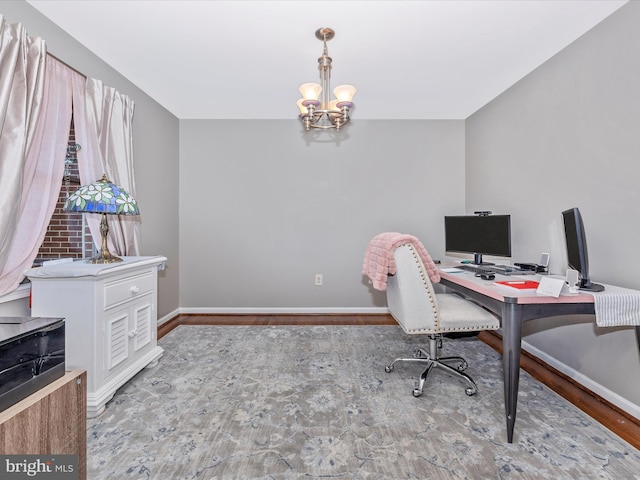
<point>325,113</point>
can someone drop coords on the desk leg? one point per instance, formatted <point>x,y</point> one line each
<point>511,343</point>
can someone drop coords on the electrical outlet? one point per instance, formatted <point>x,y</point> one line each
<point>318,279</point>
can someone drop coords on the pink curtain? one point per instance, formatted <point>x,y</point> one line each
<point>35,102</point>
<point>103,120</point>
<point>22,63</point>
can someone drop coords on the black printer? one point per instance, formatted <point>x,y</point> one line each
<point>32,355</point>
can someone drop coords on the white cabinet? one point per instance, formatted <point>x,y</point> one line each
<point>111,319</point>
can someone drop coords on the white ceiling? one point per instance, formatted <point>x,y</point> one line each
<point>243,59</point>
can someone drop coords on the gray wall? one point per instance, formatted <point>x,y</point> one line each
<point>567,136</point>
<point>155,147</point>
<point>263,209</point>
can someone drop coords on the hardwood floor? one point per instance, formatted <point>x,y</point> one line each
<point>291,319</point>
<point>616,420</point>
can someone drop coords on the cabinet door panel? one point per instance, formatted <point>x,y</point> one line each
<point>117,338</point>
<point>143,316</point>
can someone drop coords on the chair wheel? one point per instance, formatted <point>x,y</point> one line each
<point>388,368</point>
<point>463,366</point>
<point>470,391</point>
<point>417,392</point>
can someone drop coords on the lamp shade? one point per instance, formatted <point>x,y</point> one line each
<point>310,91</point>
<point>105,198</point>
<point>102,196</point>
<point>302,108</point>
<point>344,93</point>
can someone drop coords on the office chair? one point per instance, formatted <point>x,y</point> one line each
<point>419,310</point>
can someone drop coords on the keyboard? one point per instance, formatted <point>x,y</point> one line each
<point>476,268</point>
<point>506,268</point>
<point>501,269</point>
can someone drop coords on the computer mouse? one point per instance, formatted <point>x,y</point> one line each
<point>487,276</point>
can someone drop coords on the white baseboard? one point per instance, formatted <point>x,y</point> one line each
<point>272,311</point>
<point>614,398</point>
<point>285,310</point>
<point>169,316</point>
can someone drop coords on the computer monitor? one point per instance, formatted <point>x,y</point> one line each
<point>577,254</point>
<point>479,235</point>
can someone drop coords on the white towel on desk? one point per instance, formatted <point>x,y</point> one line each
<point>617,306</point>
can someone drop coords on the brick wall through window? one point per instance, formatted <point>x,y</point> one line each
<point>67,235</point>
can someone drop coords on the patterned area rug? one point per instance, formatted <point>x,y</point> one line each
<point>287,402</point>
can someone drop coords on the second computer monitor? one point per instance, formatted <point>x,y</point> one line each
<point>577,254</point>
<point>478,235</point>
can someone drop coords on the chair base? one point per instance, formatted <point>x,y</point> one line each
<point>432,361</point>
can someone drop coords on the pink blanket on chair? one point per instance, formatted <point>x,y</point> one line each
<point>379,261</point>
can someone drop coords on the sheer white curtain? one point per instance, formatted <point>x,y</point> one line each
<point>22,62</point>
<point>103,120</point>
<point>35,115</point>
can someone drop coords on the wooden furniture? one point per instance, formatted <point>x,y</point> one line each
<point>50,421</point>
<point>111,319</point>
<point>514,308</point>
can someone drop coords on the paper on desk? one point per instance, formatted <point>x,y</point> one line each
<point>452,270</point>
<point>550,286</point>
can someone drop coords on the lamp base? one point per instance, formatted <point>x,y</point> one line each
<point>104,257</point>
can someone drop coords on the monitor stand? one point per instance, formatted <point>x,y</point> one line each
<point>477,260</point>
<point>592,287</point>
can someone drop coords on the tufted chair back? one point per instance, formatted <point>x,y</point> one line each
<point>416,307</point>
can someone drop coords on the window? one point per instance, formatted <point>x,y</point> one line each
<point>67,235</point>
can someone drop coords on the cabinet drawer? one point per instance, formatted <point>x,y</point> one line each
<point>127,288</point>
